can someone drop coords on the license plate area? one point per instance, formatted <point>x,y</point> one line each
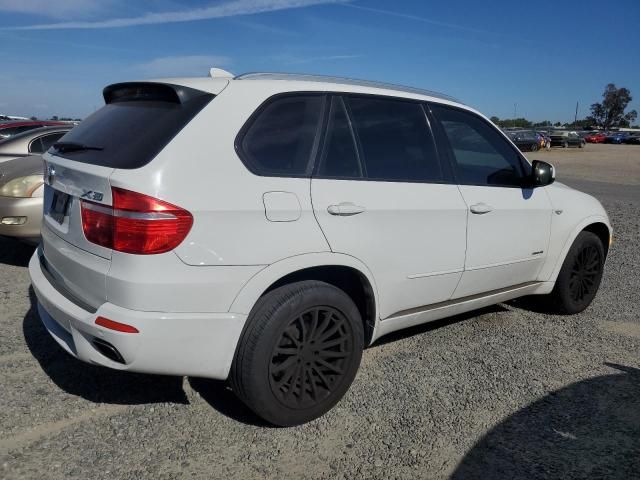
<point>59,206</point>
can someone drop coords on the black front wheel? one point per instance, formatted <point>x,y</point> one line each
<point>580,275</point>
<point>299,352</point>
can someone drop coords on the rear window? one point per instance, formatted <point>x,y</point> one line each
<point>137,122</point>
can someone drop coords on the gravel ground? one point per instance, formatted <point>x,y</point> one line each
<point>504,392</point>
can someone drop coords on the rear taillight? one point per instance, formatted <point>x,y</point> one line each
<point>136,223</point>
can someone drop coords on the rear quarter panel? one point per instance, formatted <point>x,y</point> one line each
<point>201,172</point>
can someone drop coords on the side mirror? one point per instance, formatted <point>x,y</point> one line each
<point>542,173</point>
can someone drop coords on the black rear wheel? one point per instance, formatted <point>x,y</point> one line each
<point>299,353</point>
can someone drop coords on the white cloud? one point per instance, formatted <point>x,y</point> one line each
<point>417,18</point>
<point>192,65</point>
<point>230,8</point>
<point>56,8</point>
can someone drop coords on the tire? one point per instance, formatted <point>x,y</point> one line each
<point>278,373</point>
<point>565,145</point>
<point>579,277</point>
<point>534,147</point>
<point>582,145</point>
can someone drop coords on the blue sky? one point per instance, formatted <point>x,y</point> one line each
<point>57,55</point>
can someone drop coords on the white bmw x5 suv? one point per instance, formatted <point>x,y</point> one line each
<point>266,228</point>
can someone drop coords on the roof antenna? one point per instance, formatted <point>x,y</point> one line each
<point>220,73</point>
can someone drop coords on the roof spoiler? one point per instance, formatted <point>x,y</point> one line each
<point>149,92</point>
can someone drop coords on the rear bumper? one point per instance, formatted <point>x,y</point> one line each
<point>194,344</point>
<point>30,208</point>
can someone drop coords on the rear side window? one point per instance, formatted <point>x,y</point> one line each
<point>137,122</point>
<point>481,156</point>
<point>279,138</point>
<point>395,140</point>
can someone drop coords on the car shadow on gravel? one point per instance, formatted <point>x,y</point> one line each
<point>218,394</point>
<point>93,383</point>
<point>589,429</point>
<point>13,252</point>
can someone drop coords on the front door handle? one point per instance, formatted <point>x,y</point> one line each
<point>481,208</point>
<point>345,209</point>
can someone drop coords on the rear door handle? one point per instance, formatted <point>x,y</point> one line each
<point>481,208</point>
<point>345,209</point>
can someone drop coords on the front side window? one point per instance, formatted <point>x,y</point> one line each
<point>395,140</point>
<point>481,156</point>
<point>279,140</point>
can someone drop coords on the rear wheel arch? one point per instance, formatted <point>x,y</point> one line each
<point>342,271</point>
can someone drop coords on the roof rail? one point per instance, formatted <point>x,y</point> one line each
<point>343,81</point>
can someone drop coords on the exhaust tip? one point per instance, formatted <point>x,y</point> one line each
<point>108,350</point>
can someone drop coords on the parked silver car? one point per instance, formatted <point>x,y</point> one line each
<point>21,196</point>
<point>35,141</point>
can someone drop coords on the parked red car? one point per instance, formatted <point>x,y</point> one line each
<point>8,129</point>
<point>595,138</point>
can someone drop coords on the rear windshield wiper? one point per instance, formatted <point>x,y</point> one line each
<point>73,147</point>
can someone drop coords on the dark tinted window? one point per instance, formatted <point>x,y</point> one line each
<point>133,130</point>
<point>48,140</point>
<point>280,137</point>
<point>395,140</point>
<point>36,146</point>
<point>481,155</point>
<point>340,157</point>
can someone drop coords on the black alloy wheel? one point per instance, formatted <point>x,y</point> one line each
<point>298,353</point>
<point>310,358</point>
<point>585,272</point>
<point>579,277</point>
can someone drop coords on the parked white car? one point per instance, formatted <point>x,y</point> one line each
<point>266,228</point>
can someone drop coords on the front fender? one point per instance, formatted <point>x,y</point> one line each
<point>552,266</point>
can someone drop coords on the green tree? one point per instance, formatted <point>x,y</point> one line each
<point>514,123</point>
<point>584,124</point>
<point>495,120</point>
<point>610,113</point>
